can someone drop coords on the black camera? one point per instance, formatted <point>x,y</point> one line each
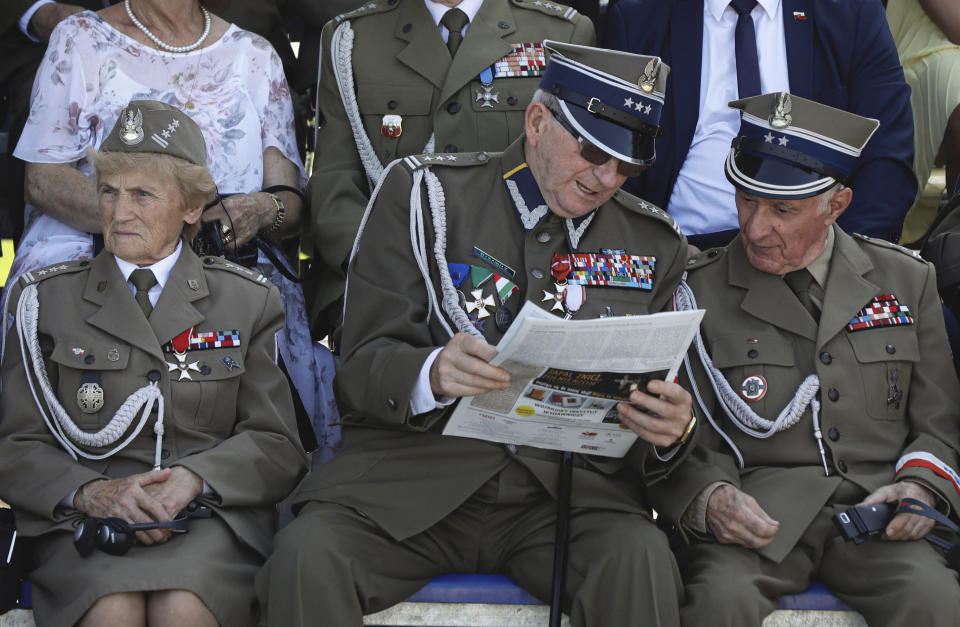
<point>215,238</point>
<point>116,536</point>
<point>862,521</point>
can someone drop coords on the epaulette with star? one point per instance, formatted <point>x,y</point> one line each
<point>66,267</point>
<point>368,8</point>
<point>548,8</point>
<point>219,263</point>
<point>882,243</point>
<point>705,258</point>
<point>643,207</point>
<point>450,159</point>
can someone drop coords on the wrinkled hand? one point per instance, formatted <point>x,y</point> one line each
<point>127,498</point>
<point>181,487</point>
<point>248,214</point>
<point>46,18</point>
<point>904,526</point>
<point>462,368</point>
<point>673,413</point>
<point>736,518</point>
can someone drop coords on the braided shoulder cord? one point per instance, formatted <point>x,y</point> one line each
<point>62,427</point>
<point>451,301</point>
<point>341,47</point>
<point>736,409</point>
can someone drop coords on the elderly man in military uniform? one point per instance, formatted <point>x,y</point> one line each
<point>834,388</point>
<point>402,503</point>
<point>138,386</point>
<point>404,77</point>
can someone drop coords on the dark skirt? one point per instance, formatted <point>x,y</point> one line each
<point>208,561</point>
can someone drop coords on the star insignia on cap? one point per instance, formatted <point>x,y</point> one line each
<point>628,102</point>
<point>783,140</point>
<point>768,137</point>
<point>639,107</point>
<point>647,109</point>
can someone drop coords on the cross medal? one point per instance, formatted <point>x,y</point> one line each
<point>180,345</point>
<point>488,96</point>
<point>480,304</point>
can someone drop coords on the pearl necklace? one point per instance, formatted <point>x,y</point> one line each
<point>164,45</point>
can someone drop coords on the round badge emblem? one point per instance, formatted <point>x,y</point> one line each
<point>90,398</point>
<point>753,388</point>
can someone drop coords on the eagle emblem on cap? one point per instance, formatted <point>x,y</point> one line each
<point>781,117</point>
<point>131,131</point>
<point>649,77</point>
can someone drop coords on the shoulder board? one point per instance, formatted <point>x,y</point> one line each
<point>882,243</point>
<point>369,8</point>
<point>219,263</point>
<point>67,267</point>
<point>638,205</point>
<point>454,159</point>
<point>705,258</point>
<point>549,8</point>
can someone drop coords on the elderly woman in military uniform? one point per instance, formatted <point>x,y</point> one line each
<point>140,387</point>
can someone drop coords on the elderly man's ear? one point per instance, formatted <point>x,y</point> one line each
<point>839,202</point>
<point>535,119</point>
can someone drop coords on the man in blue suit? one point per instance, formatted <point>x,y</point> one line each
<point>837,52</point>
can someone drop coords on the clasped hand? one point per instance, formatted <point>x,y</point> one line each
<point>157,495</point>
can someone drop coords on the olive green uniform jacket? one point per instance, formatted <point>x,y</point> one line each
<point>401,66</point>
<point>395,466</point>
<point>231,425</point>
<point>885,392</point>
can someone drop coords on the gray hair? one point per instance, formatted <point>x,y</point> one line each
<point>547,99</point>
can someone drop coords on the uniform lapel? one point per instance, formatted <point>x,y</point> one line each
<point>484,44</point>
<point>847,289</point>
<point>174,313</point>
<point>118,313</point>
<point>424,53</point>
<point>686,45</point>
<point>798,37</point>
<point>766,295</point>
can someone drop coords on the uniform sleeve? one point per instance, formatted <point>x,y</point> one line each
<point>35,472</point>
<point>262,460</point>
<point>338,190</point>
<point>276,108</point>
<point>932,453</point>
<point>386,336</point>
<point>61,126</point>
<point>884,185</point>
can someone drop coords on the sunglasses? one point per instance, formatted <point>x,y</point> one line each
<point>594,154</point>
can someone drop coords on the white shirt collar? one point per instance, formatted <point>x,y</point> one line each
<point>161,269</point>
<point>470,7</point>
<point>717,7</point>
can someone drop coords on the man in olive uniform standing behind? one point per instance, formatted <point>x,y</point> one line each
<point>404,77</point>
<point>451,248</point>
<point>835,388</point>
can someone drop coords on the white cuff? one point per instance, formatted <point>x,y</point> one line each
<point>24,22</point>
<point>422,399</point>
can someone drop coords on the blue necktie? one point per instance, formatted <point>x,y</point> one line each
<point>748,66</point>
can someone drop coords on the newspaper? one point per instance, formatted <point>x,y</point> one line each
<point>567,376</point>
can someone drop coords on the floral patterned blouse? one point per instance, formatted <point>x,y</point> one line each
<point>234,90</point>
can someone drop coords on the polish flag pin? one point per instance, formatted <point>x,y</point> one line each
<point>799,15</point>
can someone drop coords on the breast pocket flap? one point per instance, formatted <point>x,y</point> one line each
<point>733,350</point>
<point>84,355</point>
